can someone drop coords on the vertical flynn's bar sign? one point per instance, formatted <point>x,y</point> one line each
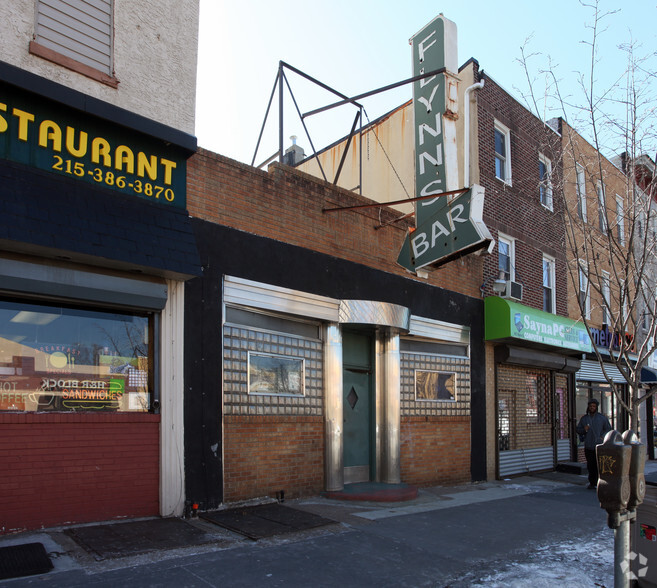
<point>436,171</point>
<point>445,229</point>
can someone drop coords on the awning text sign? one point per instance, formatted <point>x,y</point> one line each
<point>510,320</point>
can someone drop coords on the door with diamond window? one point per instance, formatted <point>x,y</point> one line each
<point>357,407</point>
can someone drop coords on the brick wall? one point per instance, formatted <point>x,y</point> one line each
<point>286,204</point>
<point>77,468</point>
<point>516,209</point>
<point>435,450</point>
<point>265,454</point>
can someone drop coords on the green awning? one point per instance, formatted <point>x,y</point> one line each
<point>505,320</point>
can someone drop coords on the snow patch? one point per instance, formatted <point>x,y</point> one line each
<point>588,563</point>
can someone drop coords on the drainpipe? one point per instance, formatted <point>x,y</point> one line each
<point>466,142</point>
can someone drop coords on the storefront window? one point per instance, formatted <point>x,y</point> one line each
<point>55,358</point>
<point>609,405</point>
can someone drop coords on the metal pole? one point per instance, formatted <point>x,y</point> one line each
<point>621,553</point>
<point>280,112</point>
<point>360,159</point>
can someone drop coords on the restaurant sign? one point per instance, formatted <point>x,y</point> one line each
<point>510,320</point>
<point>50,136</point>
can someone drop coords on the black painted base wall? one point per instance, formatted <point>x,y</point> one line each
<point>226,251</point>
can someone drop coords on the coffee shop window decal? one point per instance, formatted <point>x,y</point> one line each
<point>275,374</point>
<point>435,386</point>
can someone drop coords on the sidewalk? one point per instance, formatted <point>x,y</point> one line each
<point>447,536</point>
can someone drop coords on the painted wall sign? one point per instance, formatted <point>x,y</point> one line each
<point>453,230</point>
<point>510,320</point>
<point>53,137</point>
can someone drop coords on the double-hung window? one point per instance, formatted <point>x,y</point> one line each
<point>606,299</point>
<point>620,220</point>
<point>602,208</point>
<point>548,284</point>
<point>78,35</point>
<point>584,292</point>
<point>506,257</point>
<point>502,153</point>
<point>545,181</point>
<point>581,192</point>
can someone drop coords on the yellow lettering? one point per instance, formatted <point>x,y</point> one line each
<point>148,165</point>
<point>169,166</point>
<point>101,148</point>
<point>124,155</point>
<point>3,121</point>
<point>23,119</point>
<point>50,131</point>
<point>81,149</point>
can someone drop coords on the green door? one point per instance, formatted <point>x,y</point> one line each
<point>357,406</point>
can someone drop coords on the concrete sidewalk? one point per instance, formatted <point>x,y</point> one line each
<point>439,538</point>
<point>447,536</point>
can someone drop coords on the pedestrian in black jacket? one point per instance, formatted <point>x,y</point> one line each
<point>591,429</point>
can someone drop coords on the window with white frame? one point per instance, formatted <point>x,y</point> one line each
<point>502,152</point>
<point>624,302</point>
<point>602,210</point>
<point>606,299</point>
<point>506,257</point>
<point>620,220</point>
<point>581,192</point>
<point>584,292</point>
<point>80,32</point>
<point>545,181</point>
<point>548,285</point>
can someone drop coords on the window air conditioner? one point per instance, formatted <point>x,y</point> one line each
<point>513,290</point>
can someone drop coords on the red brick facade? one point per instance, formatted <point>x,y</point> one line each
<point>266,454</point>
<point>77,468</point>
<point>435,450</point>
<point>287,205</point>
<point>515,209</point>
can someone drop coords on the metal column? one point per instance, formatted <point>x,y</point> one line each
<point>333,417</point>
<point>388,387</point>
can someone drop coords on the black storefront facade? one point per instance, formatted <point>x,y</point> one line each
<point>344,334</point>
<point>95,246</point>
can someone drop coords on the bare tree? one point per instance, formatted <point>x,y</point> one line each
<point>610,206</point>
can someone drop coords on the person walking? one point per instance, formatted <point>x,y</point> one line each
<point>591,429</point>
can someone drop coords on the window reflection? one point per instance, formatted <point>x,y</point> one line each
<point>67,359</point>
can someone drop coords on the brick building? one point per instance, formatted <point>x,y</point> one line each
<point>313,359</point>
<point>532,345</point>
<point>596,196</point>
<point>95,246</point>
<point>517,159</point>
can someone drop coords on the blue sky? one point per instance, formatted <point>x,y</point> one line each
<point>355,46</point>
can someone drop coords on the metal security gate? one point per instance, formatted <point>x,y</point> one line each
<point>526,417</point>
<point>561,412</point>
